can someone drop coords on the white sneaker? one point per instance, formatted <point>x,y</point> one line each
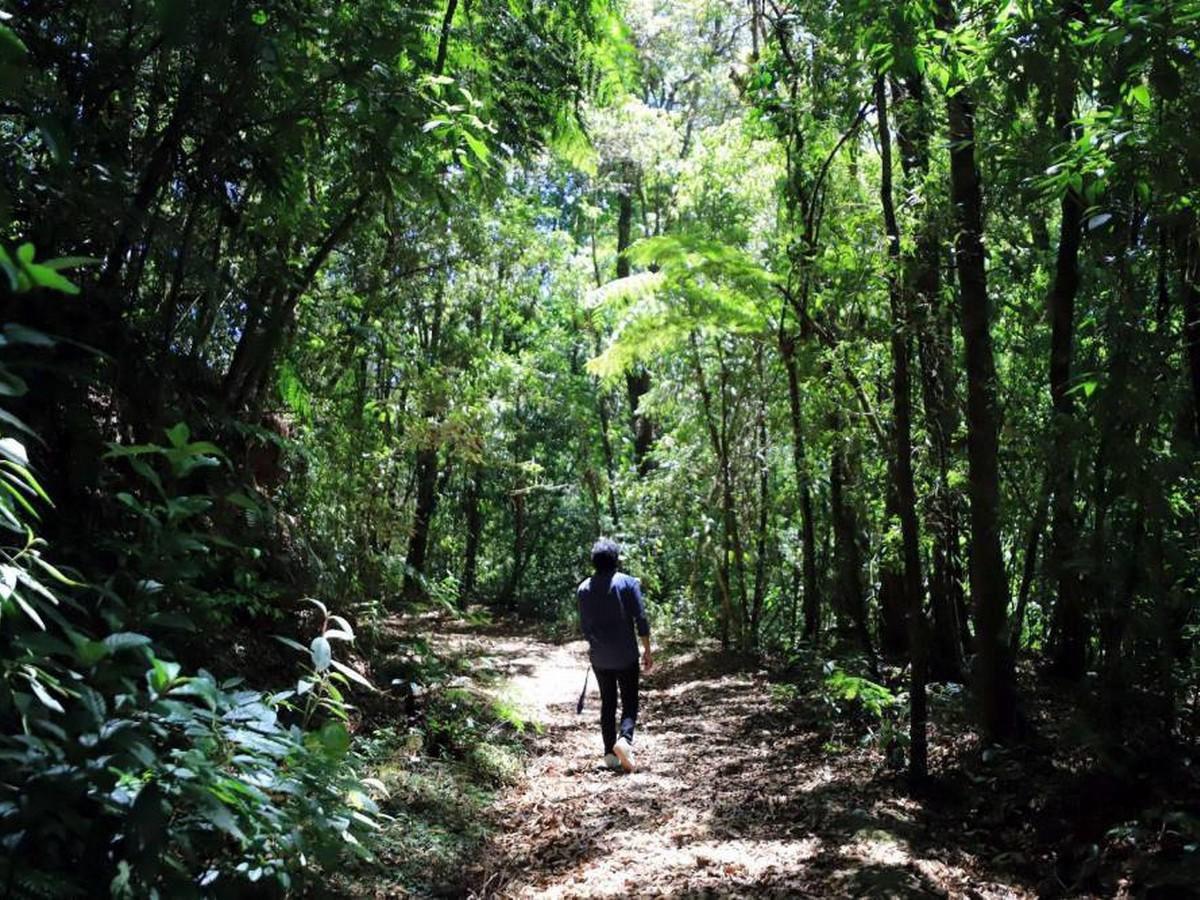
<point>624,753</point>
<point>611,761</point>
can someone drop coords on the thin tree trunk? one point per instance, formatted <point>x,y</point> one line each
<point>426,469</point>
<point>513,585</point>
<point>1189,256</point>
<point>602,413</point>
<point>439,63</point>
<point>851,599</point>
<point>158,168</point>
<point>1029,565</point>
<point>1070,651</point>
<point>418,539</point>
<point>255,354</point>
<point>893,610</point>
<point>808,548</point>
<point>902,453</point>
<point>474,523</point>
<point>764,471</point>
<point>637,381</point>
<point>728,513</point>
<point>730,505</point>
<point>994,677</point>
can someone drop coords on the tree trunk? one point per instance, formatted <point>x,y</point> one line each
<point>1070,650</point>
<point>717,437</point>
<point>808,543</point>
<point>934,350</point>
<point>637,381</point>
<point>902,472</point>
<point>602,412</point>
<point>764,472</point>
<point>1029,565</point>
<point>254,356</point>
<point>994,678</point>
<point>893,630</point>
<point>732,525</point>
<point>418,539</point>
<point>1189,255</point>
<point>439,62</point>
<point>508,597</point>
<point>851,601</point>
<point>474,523</point>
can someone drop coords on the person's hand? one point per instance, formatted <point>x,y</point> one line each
<point>647,661</point>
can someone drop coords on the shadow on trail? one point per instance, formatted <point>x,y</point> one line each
<point>734,796</point>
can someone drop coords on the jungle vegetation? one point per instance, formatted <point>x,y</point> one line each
<point>871,332</point>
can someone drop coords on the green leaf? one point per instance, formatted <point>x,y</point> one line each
<point>18,474</point>
<point>69,262</point>
<point>179,434</point>
<point>19,334</point>
<point>91,652</point>
<point>43,276</point>
<point>11,385</point>
<point>1139,94</point>
<point>143,468</point>
<point>11,45</point>
<point>8,581</point>
<point>162,674</point>
<point>37,587</point>
<point>10,419</point>
<point>342,631</point>
<point>295,645</point>
<point>54,573</point>
<point>478,147</point>
<point>335,739</point>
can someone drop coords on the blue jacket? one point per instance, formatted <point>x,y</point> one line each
<point>610,610</point>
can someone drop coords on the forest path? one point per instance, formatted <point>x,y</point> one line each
<point>732,797</point>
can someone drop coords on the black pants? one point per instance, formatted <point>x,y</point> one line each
<point>610,680</point>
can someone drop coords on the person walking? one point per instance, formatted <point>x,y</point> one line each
<point>613,618</point>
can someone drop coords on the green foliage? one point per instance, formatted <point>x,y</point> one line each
<point>693,285</point>
<point>121,769</point>
<point>874,699</point>
<point>173,558</point>
<point>373,258</point>
<point>847,697</point>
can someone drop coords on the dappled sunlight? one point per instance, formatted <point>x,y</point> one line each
<point>731,796</point>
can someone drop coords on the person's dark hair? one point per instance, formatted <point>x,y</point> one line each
<point>605,553</point>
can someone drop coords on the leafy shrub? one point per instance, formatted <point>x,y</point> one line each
<point>179,561</point>
<point>119,768</point>
<point>882,709</point>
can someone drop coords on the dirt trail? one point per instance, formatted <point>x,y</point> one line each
<point>733,797</point>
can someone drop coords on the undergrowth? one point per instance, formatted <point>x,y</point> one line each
<point>441,767</point>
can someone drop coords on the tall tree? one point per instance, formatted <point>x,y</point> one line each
<point>901,463</point>
<point>1070,651</point>
<point>994,677</point>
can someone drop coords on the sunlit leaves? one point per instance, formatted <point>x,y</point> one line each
<point>25,274</point>
<point>692,284</point>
